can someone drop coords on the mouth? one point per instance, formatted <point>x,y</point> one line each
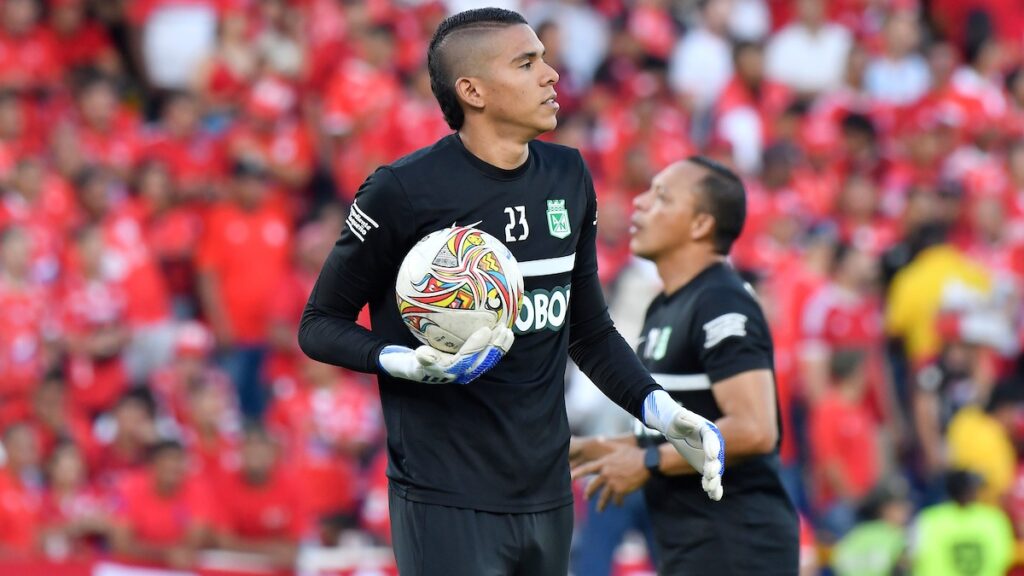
<point>551,102</point>
<point>634,228</point>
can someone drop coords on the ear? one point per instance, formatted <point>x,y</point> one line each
<point>471,91</point>
<point>702,227</point>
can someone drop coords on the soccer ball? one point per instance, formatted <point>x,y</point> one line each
<point>455,281</point>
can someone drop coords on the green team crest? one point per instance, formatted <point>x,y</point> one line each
<point>558,219</point>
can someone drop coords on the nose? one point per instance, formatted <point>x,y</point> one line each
<point>640,202</point>
<point>551,78</point>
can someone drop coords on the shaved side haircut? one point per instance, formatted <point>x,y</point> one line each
<point>452,51</point>
<point>725,199</point>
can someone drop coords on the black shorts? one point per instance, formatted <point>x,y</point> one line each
<point>744,535</point>
<point>433,540</point>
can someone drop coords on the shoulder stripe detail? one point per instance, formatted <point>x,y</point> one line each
<point>683,382</point>
<point>547,266</point>
<point>359,222</point>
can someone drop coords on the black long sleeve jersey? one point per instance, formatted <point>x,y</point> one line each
<point>499,444</point>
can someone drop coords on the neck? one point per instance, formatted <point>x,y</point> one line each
<point>683,265</point>
<point>484,142</point>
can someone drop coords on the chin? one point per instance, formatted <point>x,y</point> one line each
<point>638,250</point>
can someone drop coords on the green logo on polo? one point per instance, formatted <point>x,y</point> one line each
<point>558,219</point>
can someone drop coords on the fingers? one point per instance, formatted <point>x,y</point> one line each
<point>502,337</point>
<point>606,495</point>
<point>714,444</point>
<point>428,356</point>
<point>477,341</point>
<point>585,470</point>
<point>594,485</point>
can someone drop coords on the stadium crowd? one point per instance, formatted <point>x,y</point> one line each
<point>173,173</point>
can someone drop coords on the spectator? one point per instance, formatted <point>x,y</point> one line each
<point>210,426</point>
<point>20,492</point>
<point>107,132</point>
<point>57,421</point>
<point>749,104</point>
<point>269,135</point>
<point>242,259</point>
<point>962,535</point>
<point>27,326</point>
<point>899,75</point>
<point>701,63</point>
<point>585,35</point>
<point>173,384</point>
<point>83,43</point>
<point>844,446</point>
<point>877,546</point>
<point>124,435</point>
<point>313,242</point>
<point>261,507</point>
<point>171,228</point>
<point>29,59</point>
<point>979,440</point>
<point>809,55</point>
<point>330,423</point>
<point>358,106</point>
<point>94,320</point>
<point>191,154</point>
<point>918,291</point>
<point>279,43</point>
<point>170,38</point>
<point>843,314</point>
<point>43,205</point>
<point>75,515</point>
<point>165,516</point>
<point>227,71</point>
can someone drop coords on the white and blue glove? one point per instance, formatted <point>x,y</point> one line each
<point>479,353</point>
<point>692,435</point>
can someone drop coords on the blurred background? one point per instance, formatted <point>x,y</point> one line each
<point>173,173</point>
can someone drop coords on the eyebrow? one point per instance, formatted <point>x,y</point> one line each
<point>529,55</point>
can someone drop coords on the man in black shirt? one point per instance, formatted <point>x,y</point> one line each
<point>706,341</point>
<point>479,474</point>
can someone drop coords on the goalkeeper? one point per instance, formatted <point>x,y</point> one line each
<point>478,444</point>
<point>706,341</point>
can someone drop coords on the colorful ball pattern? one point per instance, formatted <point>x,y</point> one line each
<point>455,281</point>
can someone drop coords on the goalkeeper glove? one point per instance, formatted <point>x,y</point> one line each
<point>692,435</point>
<point>479,353</point>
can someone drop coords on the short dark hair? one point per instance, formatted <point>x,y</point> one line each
<point>442,80</point>
<point>725,199</point>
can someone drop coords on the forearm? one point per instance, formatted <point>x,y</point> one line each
<point>338,340</point>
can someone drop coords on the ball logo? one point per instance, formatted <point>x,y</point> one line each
<point>543,310</point>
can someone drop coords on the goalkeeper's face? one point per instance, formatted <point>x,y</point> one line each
<point>667,216</point>
<point>517,90</point>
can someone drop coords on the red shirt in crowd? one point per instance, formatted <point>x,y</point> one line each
<point>91,307</point>
<point>30,61</point>
<point>834,319</point>
<point>248,251</point>
<point>320,425</point>
<point>842,432</point>
<point>19,515</point>
<point>130,262</point>
<point>159,519</point>
<point>271,510</point>
<point>26,318</point>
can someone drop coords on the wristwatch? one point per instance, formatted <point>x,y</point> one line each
<point>652,459</point>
